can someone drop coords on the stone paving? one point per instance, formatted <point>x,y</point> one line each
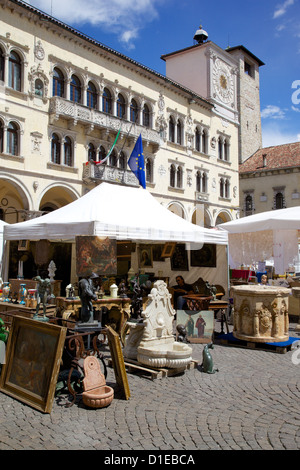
<point>251,403</point>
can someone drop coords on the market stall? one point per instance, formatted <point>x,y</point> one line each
<point>259,237</point>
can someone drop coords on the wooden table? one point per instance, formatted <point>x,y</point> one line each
<point>118,310</point>
<point>222,305</point>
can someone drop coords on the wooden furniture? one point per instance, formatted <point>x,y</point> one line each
<point>25,311</point>
<point>197,301</point>
<point>31,284</point>
<point>222,305</point>
<point>118,310</point>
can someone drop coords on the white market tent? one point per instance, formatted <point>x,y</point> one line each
<point>258,237</point>
<point>114,211</point>
<point>2,225</point>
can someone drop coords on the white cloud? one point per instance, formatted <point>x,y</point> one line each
<point>276,135</point>
<point>122,17</point>
<point>281,9</point>
<point>272,112</point>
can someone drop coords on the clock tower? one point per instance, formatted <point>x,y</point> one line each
<point>228,78</point>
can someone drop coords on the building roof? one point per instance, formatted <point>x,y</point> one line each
<point>244,49</point>
<point>45,17</point>
<point>272,158</point>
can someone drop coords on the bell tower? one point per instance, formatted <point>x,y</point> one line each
<point>248,101</point>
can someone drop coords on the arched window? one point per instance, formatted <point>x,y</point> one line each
<point>197,140</point>
<point>198,181</point>
<point>15,69</point>
<point>220,148</point>
<point>91,99</point>
<point>68,152</point>
<point>1,136</point>
<point>106,101</point>
<point>179,132</point>
<point>58,83</point>
<point>113,159</point>
<point>121,106</point>
<point>248,205</point>
<point>222,187</point>
<point>149,170</point>
<point>204,183</point>
<point>146,116</point>
<point>227,188</point>
<point>102,154</point>
<point>2,62</point>
<point>55,149</point>
<point>75,89</point>
<point>91,153</point>
<point>13,139</point>
<point>179,177</point>
<point>204,142</point>
<point>226,150</point>
<point>171,129</point>
<point>122,161</point>
<point>133,111</point>
<point>172,176</point>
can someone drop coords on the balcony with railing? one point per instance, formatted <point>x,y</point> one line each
<point>77,113</point>
<point>92,172</point>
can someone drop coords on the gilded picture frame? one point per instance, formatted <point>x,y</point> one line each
<point>118,361</point>
<point>168,250</point>
<point>33,355</point>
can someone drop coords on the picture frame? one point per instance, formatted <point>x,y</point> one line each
<point>95,254</point>
<point>33,355</point>
<point>199,324</point>
<point>157,250</point>
<point>168,250</point>
<point>23,245</point>
<point>179,259</point>
<point>118,361</point>
<point>146,256</point>
<point>205,257</point>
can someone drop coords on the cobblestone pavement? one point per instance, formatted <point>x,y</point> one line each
<point>251,403</point>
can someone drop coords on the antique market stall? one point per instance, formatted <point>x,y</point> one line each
<point>258,237</point>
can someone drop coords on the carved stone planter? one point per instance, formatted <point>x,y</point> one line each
<point>261,313</point>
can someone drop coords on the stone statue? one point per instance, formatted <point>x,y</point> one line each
<point>42,291</point>
<point>136,306</point>
<point>207,365</point>
<point>87,293</point>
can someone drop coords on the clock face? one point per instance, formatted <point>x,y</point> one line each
<point>223,82</point>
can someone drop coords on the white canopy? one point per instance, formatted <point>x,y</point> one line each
<point>114,211</point>
<point>280,219</point>
<point>258,237</point>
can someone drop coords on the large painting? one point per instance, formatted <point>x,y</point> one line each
<point>205,257</point>
<point>33,356</point>
<point>95,254</point>
<point>199,324</point>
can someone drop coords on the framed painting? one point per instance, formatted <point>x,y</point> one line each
<point>179,259</point>
<point>95,254</point>
<point>23,245</point>
<point>198,324</point>
<point>118,361</point>
<point>146,256</point>
<point>205,257</point>
<point>33,355</point>
<point>168,250</point>
<point>157,250</point>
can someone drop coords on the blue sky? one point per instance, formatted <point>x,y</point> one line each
<point>146,29</point>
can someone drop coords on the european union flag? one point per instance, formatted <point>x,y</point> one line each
<point>136,162</point>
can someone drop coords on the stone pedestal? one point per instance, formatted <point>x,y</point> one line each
<point>261,313</point>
